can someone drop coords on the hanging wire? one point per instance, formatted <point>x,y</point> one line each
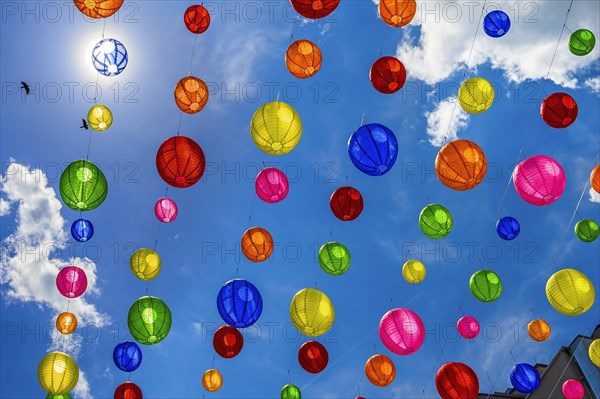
<point>364,114</point>
<point>283,71</point>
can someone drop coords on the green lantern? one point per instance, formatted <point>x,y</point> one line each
<point>334,258</point>
<point>485,285</point>
<point>64,396</point>
<point>582,42</point>
<point>149,320</point>
<point>435,221</point>
<point>290,391</point>
<point>587,230</point>
<point>83,186</point>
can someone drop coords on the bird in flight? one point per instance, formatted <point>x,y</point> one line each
<point>84,124</point>
<point>26,87</point>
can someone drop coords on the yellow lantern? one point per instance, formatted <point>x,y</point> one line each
<point>145,264</point>
<point>570,292</point>
<point>99,118</point>
<point>66,323</point>
<point>311,312</point>
<point>414,271</point>
<point>58,373</point>
<point>276,128</point>
<point>212,380</point>
<point>476,95</point>
<point>594,351</point>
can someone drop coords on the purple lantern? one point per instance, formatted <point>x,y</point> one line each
<point>165,210</point>
<point>71,281</point>
<point>468,327</point>
<point>271,185</point>
<point>402,331</point>
<point>539,180</point>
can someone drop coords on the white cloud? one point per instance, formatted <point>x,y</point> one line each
<point>594,196</point>
<point>4,207</point>
<point>197,327</point>
<point>444,122</point>
<point>593,84</point>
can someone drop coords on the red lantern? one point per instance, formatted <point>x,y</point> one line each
<point>196,19</point>
<point>313,357</point>
<point>457,381</point>
<point>346,203</point>
<point>387,75</point>
<point>228,342</point>
<point>559,110</point>
<point>180,161</point>
<point>314,9</point>
<point>128,390</point>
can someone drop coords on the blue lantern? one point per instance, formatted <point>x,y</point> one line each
<point>496,23</point>
<point>82,230</point>
<point>109,57</point>
<point>373,149</point>
<point>239,303</point>
<point>127,356</point>
<point>525,378</point>
<point>508,228</point>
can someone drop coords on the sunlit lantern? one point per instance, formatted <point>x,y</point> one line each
<point>461,165</point>
<point>311,312</point>
<point>570,292</point>
<point>145,264</point>
<point>58,373</point>
<point>524,378</point>
<point>290,391</point>
<point>66,323</point>
<point>387,75</point>
<point>334,258</point>
<point>595,179</point>
<point>109,57</point>
<point>539,330</point>
<point>180,162</point>
<point>346,203</point>
<point>98,9</point>
<point>373,149</point>
<point>271,185</point>
<point>257,244</point>
<point>71,281</point>
<point>276,128</point>
<point>165,210</point>
<point>212,380</point>
<point>127,356</point>
<point>573,389</point>
<point>380,370</point>
<point>197,19</point>
<point>239,303</point>
<point>397,13</point>
<point>435,221</point>
<point>594,352</point>
<point>303,59</point>
<point>559,110</point>
<point>456,380</point>
<point>539,180</point>
<point>228,342</point>
<point>83,186</point>
<point>587,230</point>
<point>582,42</point>
<point>402,331</point>
<point>414,271</point>
<point>314,9</point>
<point>476,95</point>
<point>485,285</point>
<point>82,230</point>
<point>191,94</point>
<point>99,118</point>
<point>128,390</point>
<point>313,357</point>
<point>468,327</point>
<point>149,320</point>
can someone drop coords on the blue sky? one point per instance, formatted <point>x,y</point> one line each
<point>241,58</point>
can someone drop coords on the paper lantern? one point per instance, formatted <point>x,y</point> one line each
<point>380,370</point>
<point>485,285</point>
<point>191,94</point>
<point>461,165</point>
<point>212,380</point>
<point>587,230</point>
<point>257,244</point>
<point>402,331</point>
<point>595,179</point>
<point>239,303</point>
<point>71,281</point>
<point>468,327</point>
<point>128,390</point>
<point>314,9</point>
<point>334,258</point>
<point>99,118</point>
<point>127,356</point>
<point>373,149</point>
<point>582,42</point>
<point>290,391</point>
<point>65,396</point>
<point>346,203</point>
<point>66,323</point>
<point>594,352</point>
<point>508,228</point>
<point>311,312</point>
<point>58,373</point>
<point>539,330</point>
<point>387,75</point>
<point>149,320</point>
<point>524,378</point>
<point>98,9</point>
<point>197,19</point>
<point>414,271</point>
<point>313,357</point>
<point>271,185</point>
<point>476,95</point>
<point>83,186</point>
<point>145,264</point>
<point>303,59</point>
<point>539,180</point>
<point>276,128</point>
<point>180,162</point>
<point>82,230</point>
<point>573,389</point>
<point>496,24</point>
<point>456,380</point>
<point>570,292</point>
<point>228,342</point>
<point>559,110</point>
<point>397,13</point>
<point>435,221</point>
<point>109,57</point>
<point>165,210</point>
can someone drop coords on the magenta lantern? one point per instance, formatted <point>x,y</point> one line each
<point>573,389</point>
<point>271,185</point>
<point>71,281</point>
<point>402,331</point>
<point>468,327</point>
<point>539,180</point>
<point>165,210</point>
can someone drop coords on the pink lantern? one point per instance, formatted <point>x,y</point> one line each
<point>539,180</point>
<point>402,331</point>
<point>468,327</point>
<point>271,185</point>
<point>165,210</point>
<point>573,389</point>
<point>71,281</point>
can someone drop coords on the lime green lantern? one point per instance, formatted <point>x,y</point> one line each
<point>485,285</point>
<point>582,42</point>
<point>334,258</point>
<point>587,230</point>
<point>83,186</point>
<point>63,396</point>
<point>149,320</point>
<point>99,117</point>
<point>58,373</point>
<point>435,221</point>
<point>290,391</point>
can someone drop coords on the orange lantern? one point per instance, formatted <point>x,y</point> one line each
<point>197,19</point>
<point>539,330</point>
<point>397,13</point>
<point>461,165</point>
<point>257,244</point>
<point>595,179</point>
<point>303,59</point>
<point>380,370</point>
<point>98,8</point>
<point>66,323</point>
<point>212,380</point>
<point>191,95</point>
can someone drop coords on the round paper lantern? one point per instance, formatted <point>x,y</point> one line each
<point>346,203</point>
<point>212,380</point>
<point>109,57</point>
<point>334,258</point>
<point>435,221</point>
<point>257,244</point>
<point>197,19</point>
<point>559,110</point>
<point>402,331</point>
<point>191,94</point>
<point>456,380</point>
<point>83,186</point>
<point>496,23</point>
<point>128,390</point>
<point>587,230</point>
<point>573,389</point>
<point>180,161</point>
<point>380,370</point>
<point>595,179</point>
<point>127,356</point>
<point>539,180</point>
<point>313,357</point>
<point>228,342</point>
<point>397,13</point>
<point>149,320</point>
<point>570,292</point>
<point>271,185</point>
<point>71,281</point>
<point>387,75</point>
<point>373,149</point>
<point>594,352</point>
<point>82,230</point>
<point>508,228</point>
<point>276,128</point>
<point>98,9</point>
<point>303,59</point>
<point>414,271</point>
<point>239,303</point>
<point>58,373</point>
<point>582,42</point>
<point>461,165</point>
<point>539,330</point>
<point>524,378</point>
<point>476,95</point>
<point>314,9</point>
<point>311,312</point>
<point>468,327</point>
<point>165,210</point>
<point>66,323</point>
<point>65,396</point>
<point>290,391</point>
<point>145,264</point>
<point>485,285</point>
<point>99,118</point>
